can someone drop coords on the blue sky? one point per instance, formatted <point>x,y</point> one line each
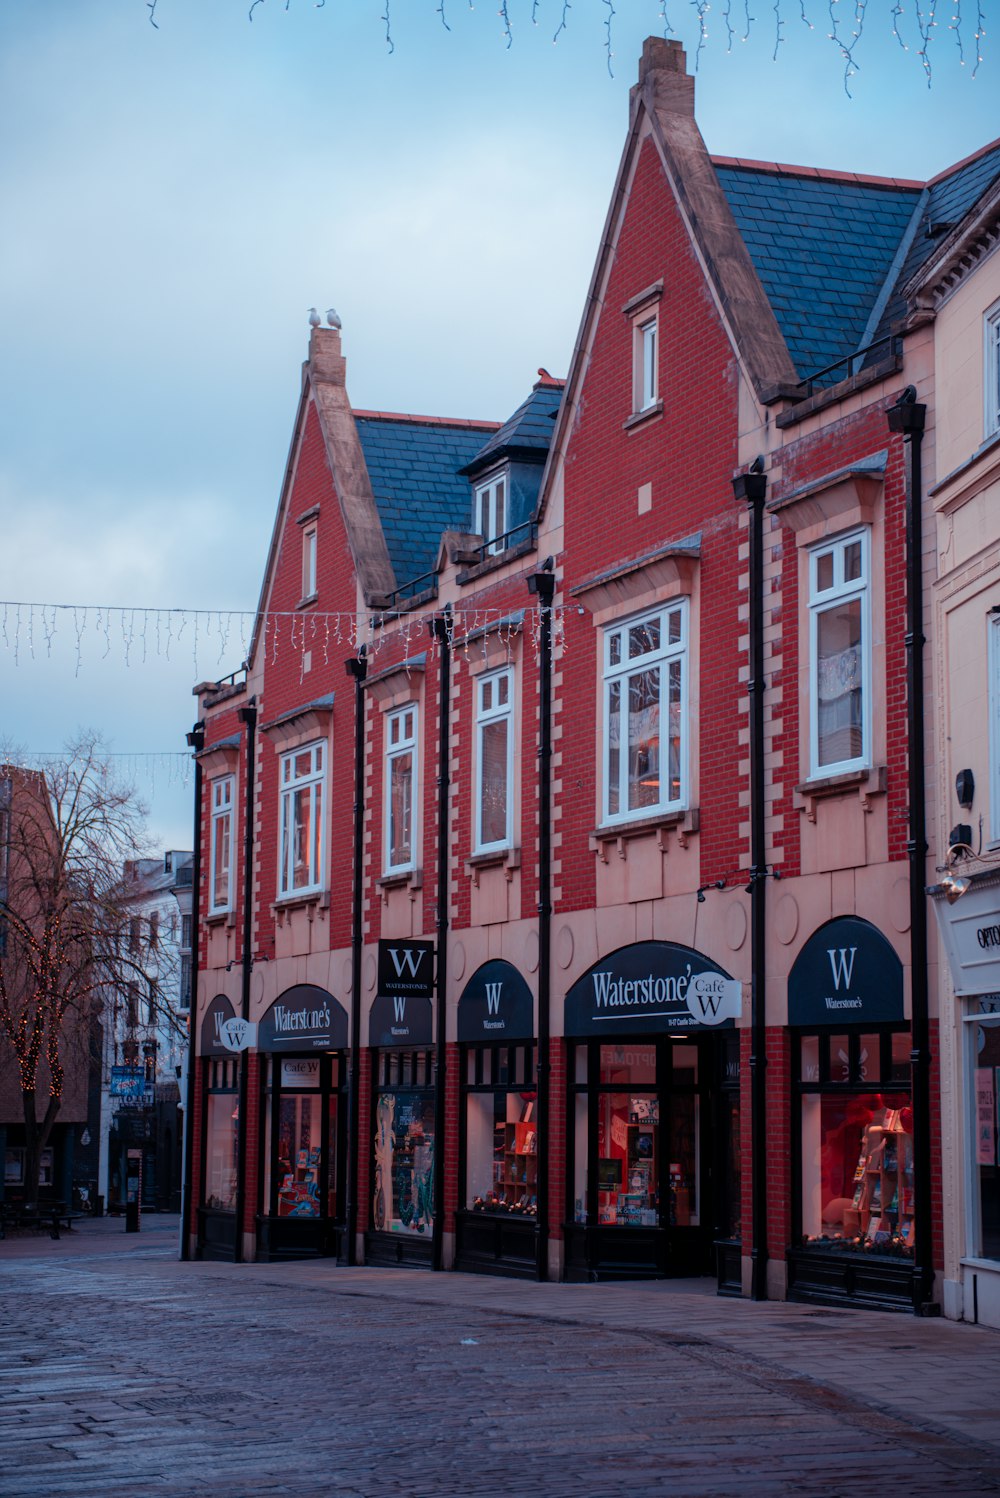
<point>175,199</point>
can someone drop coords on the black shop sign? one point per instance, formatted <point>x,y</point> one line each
<point>496,1005</point>
<point>652,988</point>
<point>847,973</point>
<point>303,1018</point>
<point>402,1013</point>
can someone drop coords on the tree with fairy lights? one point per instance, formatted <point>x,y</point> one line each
<point>65,921</point>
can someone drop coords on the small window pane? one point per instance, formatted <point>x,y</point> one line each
<point>900,1066</point>
<point>627,1065</point>
<point>869,1060</point>
<point>852,561</point>
<point>674,627</point>
<point>810,1058</point>
<point>840,1058</point>
<point>615,648</point>
<point>642,638</point>
<point>824,571</point>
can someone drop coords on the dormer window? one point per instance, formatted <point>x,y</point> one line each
<point>491,513</point>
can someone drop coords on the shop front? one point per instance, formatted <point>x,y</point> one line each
<point>404,1107</point>
<point>650,1035</point>
<point>852,1122</point>
<point>500,1149</point>
<point>220,1137</point>
<point>302,1041</point>
<point>970,931</point>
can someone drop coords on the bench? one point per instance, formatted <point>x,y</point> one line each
<point>50,1215</point>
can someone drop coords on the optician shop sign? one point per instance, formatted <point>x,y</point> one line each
<point>970,932</point>
<point>496,1004</point>
<point>847,973</point>
<point>652,988</point>
<point>402,1012</point>
<point>303,1018</point>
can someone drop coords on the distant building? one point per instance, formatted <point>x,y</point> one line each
<point>146,1029</point>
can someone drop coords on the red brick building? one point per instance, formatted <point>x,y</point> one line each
<point>581,922</point>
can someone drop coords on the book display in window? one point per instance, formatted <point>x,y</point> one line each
<point>515,1166</point>
<point>879,1214</point>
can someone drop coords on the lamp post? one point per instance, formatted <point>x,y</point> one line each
<point>196,743</point>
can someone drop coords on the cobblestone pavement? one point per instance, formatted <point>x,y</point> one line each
<point>123,1370</point>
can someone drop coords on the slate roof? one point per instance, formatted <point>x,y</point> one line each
<point>823,249</point>
<point>415,466</point>
<point>530,428</point>
<point>833,251</point>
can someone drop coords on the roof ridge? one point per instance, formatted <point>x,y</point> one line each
<point>437,421</point>
<point>949,171</point>
<point>826,174</point>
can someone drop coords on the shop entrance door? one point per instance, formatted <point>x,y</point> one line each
<point>650,1135</point>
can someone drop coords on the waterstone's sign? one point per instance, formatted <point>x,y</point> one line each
<point>846,974</point>
<point>655,987</point>
<point>219,1013</point>
<point>496,1004</point>
<point>402,1013</point>
<point>303,1018</point>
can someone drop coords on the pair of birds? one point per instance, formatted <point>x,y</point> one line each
<point>332,318</point>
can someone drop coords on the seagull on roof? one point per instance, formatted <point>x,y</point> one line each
<point>314,318</point>
<point>333,318</point>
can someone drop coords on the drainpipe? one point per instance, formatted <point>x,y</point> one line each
<point>358,668</point>
<point>441,628</point>
<point>752,487</point>
<point>907,417</point>
<point>543,585</point>
<point>248,716</point>
<point>196,742</point>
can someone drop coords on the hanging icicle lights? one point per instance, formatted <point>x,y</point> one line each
<point>843,24</point>
<point>210,638</point>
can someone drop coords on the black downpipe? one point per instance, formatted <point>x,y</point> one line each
<point>358,668</point>
<point>248,716</point>
<point>752,487</point>
<point>441,629</point>
<point>196,742</point>
<point>543,585</point>
<point>907,417</point>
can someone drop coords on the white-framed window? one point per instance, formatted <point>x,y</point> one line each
<point>309,536</point>
<point>840,655</point>
<point>991,370</point>
<point>645,383</point>
<point>645,714</point>
<point>494,759</point>
<point>491,512</point>
<point>400,780</point>
<point>993,675</point>
<point>220,894</point>
<point>303,773</point>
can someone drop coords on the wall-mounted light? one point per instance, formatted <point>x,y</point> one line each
<point>965,789</point>
<point>715,884</point>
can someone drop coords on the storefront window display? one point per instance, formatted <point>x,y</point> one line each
<point>303,1130</point>
<point>856,1167</point>
<point>628,1169</point>
<point>501,1136</point>
<point>984,1065</point>
<point>403,1178</point>
<point>221,1134</point>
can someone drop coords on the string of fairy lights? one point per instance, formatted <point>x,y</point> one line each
<point>845,23</point>
<point>136,637</point>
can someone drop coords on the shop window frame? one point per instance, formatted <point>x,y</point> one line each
<point>520,1077</point>
<point>221,1078</point>
<point>332,1086</point>
<point>829,1084</point>
<point>395,1070</point>
<point>973,1226</point>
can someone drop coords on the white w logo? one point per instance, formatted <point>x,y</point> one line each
<point>399,1005</point>
<point>493,997</point>
<point>406,959</point>
<point>841,964</point>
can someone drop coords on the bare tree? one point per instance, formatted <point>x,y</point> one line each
<point>66,832</point>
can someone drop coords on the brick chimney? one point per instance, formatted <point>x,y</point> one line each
<point>326,362</point>
<point>664,78</point>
